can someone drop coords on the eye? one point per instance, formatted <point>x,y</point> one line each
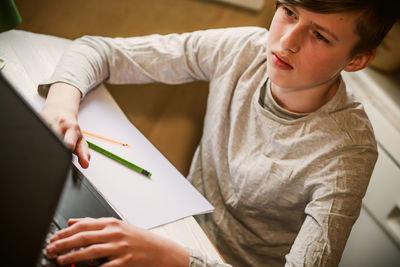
<point>321,37</point>
<point>289,12</point>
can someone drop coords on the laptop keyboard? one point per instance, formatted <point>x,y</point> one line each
<point>44,261</point>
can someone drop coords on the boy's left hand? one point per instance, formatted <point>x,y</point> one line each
<point>120,242</point>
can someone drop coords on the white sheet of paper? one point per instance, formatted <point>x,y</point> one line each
<point>166,197</point>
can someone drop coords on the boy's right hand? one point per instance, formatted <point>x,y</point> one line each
<point>61,113</point>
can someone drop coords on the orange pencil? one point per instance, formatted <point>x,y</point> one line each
<point>105,139</point>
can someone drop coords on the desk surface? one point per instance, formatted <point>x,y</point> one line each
<point>185,231</point>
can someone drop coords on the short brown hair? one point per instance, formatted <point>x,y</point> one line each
<point>376,17</point>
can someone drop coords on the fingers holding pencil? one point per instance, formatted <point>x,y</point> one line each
<point>60,111</point>
<point>68,129</point>
<point>74,138</point>
<point>82,151</point>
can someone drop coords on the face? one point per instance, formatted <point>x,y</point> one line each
<point>307,49</point>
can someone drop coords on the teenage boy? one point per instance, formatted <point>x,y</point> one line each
<point>286,153</point>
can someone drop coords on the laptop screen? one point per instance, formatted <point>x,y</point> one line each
<point>34,166</point>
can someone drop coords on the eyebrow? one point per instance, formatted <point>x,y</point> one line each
<point>319,27</point>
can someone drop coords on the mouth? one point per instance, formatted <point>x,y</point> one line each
<point>281,62</point>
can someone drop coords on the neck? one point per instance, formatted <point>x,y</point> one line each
<point>305,100</point>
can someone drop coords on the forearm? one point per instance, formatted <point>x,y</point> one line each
<point>172,254</point>
<point>91,60</point>
<point>170,59</point>
<point>65,96</point>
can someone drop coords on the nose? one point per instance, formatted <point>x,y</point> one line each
<point>291,39</point>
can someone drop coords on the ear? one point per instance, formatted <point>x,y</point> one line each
<point>361,61</point>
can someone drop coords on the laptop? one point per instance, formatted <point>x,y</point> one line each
<point>40,188</point>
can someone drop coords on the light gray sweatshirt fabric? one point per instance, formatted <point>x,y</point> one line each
<point>286,189</point>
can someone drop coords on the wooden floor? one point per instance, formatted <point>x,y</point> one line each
<point>169,116</point>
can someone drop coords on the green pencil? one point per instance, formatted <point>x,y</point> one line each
<point>119,159</point>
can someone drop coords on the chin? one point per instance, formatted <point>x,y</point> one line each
<point>279,79</point>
